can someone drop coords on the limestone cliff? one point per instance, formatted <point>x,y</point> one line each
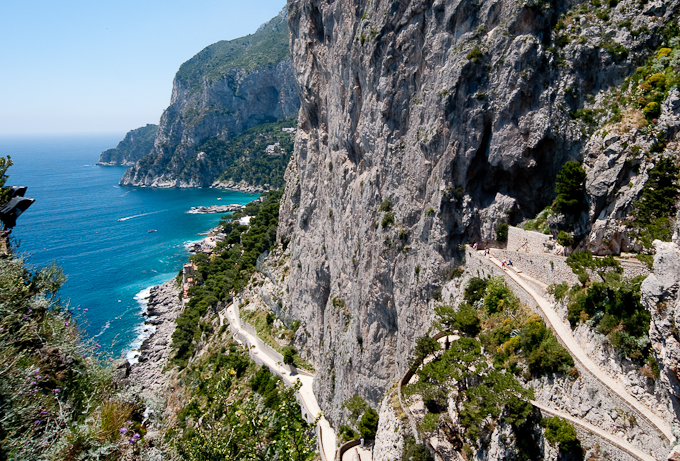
<point>136,144</point>
<point>423,124</point>
<point>227,88</point>
<point>661,296</point>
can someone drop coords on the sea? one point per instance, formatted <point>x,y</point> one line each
<point>113,242</point>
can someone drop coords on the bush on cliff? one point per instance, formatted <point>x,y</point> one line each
<point>569,187</point>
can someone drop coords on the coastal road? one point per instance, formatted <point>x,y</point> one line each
<point>325,433</point>
<point>563,332</point>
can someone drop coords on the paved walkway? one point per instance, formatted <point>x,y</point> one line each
<point>563,332</point>
<point>357,454</point>
<point>325,433</point>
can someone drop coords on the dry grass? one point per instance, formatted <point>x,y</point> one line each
<point>113,415</point>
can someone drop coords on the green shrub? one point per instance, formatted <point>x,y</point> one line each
<point>347,433</point>
<point>465,319</point>
<point>562,41</point>
<point>475,290</point>
<point>387,220</point>
<point>652,110</point>
<point>289,355</point>
<point>502,232</point>
<point>430,422</point>
<point>560,431</point>
<point>614,305</point>
<point>415,452</point>
<point>565,239</point>
<point>498,296</point>
<point>356,406</point>
<point>386,205</point>
<point>570,190</point>
<point>660,193</point>
<point>475,55</point>
<point>560,290</point>
<point>368,424</point>
<point>425,346</point>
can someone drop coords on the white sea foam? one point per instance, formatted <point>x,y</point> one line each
<point>142,331</point>
<point>106,327</point>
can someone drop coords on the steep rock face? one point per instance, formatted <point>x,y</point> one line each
<point>617,160</point>
<point>225,89</point>
<point>422,125</point>
<point>136,144</point>
<point>661,296</point>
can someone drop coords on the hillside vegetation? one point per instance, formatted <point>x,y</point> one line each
<point>265,48</point>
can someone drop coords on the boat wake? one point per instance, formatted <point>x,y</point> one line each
<point>140,215</point>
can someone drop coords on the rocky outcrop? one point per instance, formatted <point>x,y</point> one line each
<point>136,144</point>
<point>661,296</point>
<point>422,125</point>
<point>225,89</point>
<point>617,161</point>
<point>162,310</point>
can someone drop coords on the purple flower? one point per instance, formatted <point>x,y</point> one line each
<point>37,421</point>
<point>56,390</point>
<point>36,371</point>
<point>136,436</point>
<point>21,392</point>
<point>35,391</point>
<point>30,310</point>
<point>39,377</point>
<point>43,412</point>
<point>133,440</point>
<point>32,383</point>
<point>123,430</point>
<point>98,346</point>
<point>2,329</point>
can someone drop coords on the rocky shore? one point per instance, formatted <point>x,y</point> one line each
<point>215,209</point>
<point>163,308</point>
<point>237,188</point>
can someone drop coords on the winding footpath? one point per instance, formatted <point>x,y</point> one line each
<point>325,434</point>
<point>563,332</point>
<point>615,441</point>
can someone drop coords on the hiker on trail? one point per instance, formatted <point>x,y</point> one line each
<point>474,247</point>
<point>503,264</point>
<point>510,263</point>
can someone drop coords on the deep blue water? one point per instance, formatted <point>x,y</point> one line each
<point>75,221</point>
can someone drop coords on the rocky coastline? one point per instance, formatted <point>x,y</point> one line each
<point>215,209</point>
<point>237,188</point>
<point>162,310</point>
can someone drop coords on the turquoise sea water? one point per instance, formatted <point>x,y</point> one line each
<point>98,232</point>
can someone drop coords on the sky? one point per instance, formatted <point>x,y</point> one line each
<point>70,67</point>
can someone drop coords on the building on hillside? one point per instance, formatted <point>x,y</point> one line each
<point>188,279</point>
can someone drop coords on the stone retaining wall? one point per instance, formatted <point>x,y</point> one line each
<point>526,241</point>
<point>553,269</point>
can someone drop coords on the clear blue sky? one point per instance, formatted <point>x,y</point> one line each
<point>76,66</point>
